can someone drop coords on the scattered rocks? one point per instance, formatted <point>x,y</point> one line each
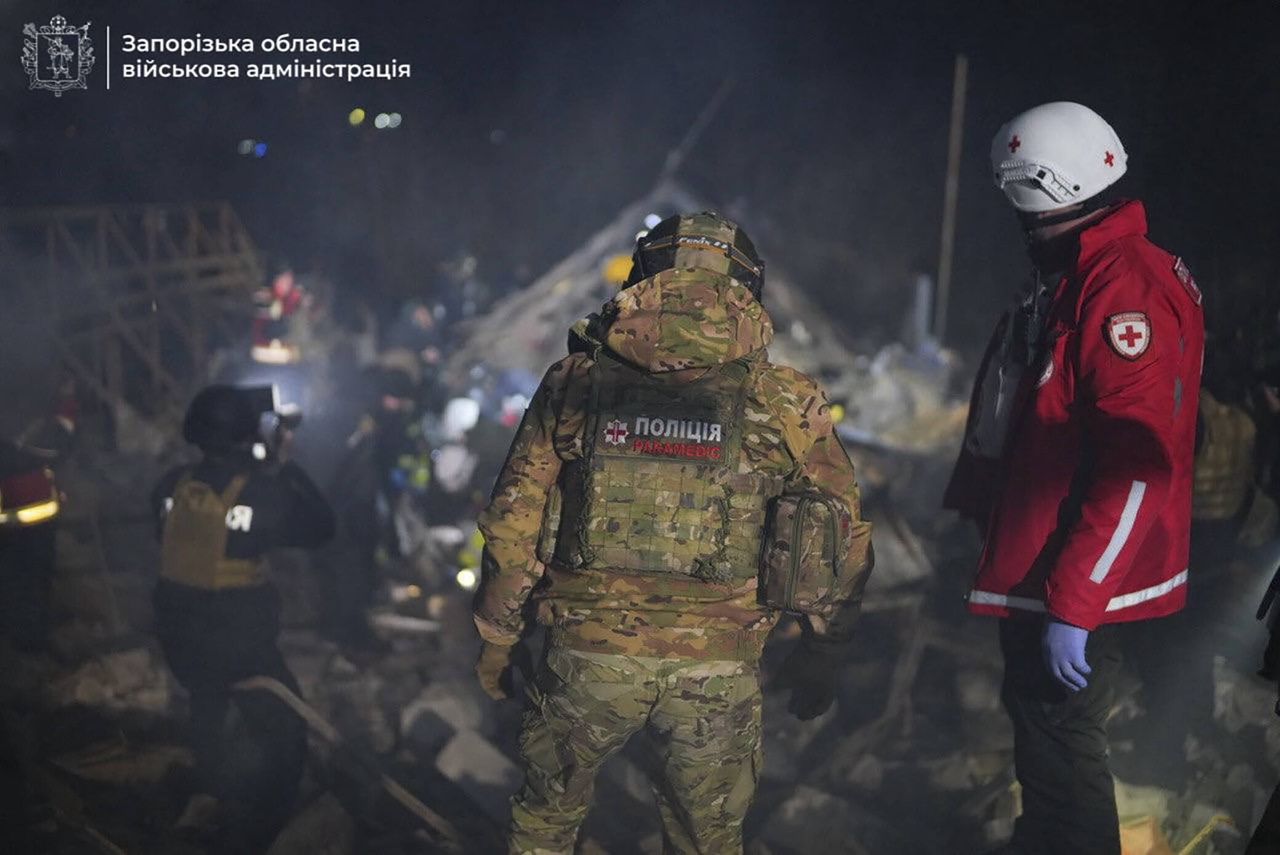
<point>481,770</point>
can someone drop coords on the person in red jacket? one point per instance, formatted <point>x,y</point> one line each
<point>1077,462</point>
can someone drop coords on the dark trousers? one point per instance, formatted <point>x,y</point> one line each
<point>212,640</point>
<point>1060,746</point>
<point>26,579</point>
<point>1266,837</point>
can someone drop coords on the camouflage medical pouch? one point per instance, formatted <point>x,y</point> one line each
<point>806,540</point>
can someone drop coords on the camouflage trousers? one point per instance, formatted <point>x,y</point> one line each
<point>703,716</point>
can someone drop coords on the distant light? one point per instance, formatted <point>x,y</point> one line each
<point>245,147</point>
<point>356,117</point>
<point>260,150</point>
<point>381,121</point>
<point>393,121</point>
<point>651,220</point>
<point>467,578</point>
<point>275,352</point>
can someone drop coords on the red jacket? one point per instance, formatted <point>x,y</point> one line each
<point>1088,511</point>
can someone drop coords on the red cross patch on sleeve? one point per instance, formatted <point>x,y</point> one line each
<point>1129,334</point>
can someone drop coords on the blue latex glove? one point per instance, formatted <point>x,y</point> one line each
<point>1063,646</point>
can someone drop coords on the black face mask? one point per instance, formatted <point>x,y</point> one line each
<point>1056,254</point>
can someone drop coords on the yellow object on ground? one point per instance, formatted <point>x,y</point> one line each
<point>1220,820</point>
<point>1143,837</point>
<point>616,269</point>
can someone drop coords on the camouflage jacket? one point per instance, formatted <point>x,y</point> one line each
<point>676,321</point>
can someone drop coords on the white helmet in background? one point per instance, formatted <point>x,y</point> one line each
<point>460,416</point>
<point>1055,155</point>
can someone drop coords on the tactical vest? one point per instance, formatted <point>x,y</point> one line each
<point>193,549</point>
<point>658,489</point>
<point>1223,474</point>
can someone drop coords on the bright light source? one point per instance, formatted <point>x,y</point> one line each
<point>393,121</point>
<point>467,578</point>
<point>651,220</point>
<point>260,150</point>
<point>245,147</point>
<point>381,121</point>
<point>356,117</point>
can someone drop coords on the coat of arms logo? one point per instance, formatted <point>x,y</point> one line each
<point>58,56</point>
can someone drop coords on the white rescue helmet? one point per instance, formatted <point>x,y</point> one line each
<point>460,416</point>
<point>1056,155</point>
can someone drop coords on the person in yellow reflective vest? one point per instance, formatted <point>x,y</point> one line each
<point>217,615</point>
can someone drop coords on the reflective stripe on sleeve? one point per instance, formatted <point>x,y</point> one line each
<point>1121,535</point>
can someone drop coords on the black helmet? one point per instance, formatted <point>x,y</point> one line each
<point>706,240</point>
<point>219,419</point>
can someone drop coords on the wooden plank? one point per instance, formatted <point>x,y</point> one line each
<point>135,277</point>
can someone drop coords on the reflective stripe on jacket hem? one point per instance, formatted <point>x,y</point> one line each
<point>1124,601</point>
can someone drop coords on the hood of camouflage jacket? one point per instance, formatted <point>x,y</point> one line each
<point>681,319</point>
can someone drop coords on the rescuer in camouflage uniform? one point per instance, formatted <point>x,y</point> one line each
<point>630,516</point>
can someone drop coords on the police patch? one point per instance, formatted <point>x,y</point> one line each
<point>1129,334</point>
<point>1188,281</point>
<point>697,439</point>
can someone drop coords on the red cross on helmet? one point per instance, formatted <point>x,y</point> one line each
<point>1056,155</point>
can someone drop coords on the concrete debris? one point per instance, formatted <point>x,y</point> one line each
<point>901,557</point>
<point>486,774</point>
<point>1239,700</point>
<point>956,773</point>
<point>137,435</point>
<point>978,690</point>
<point>901,399</point>
<point>124,764</point>
<point>867,773</point>
<point>812,820</point>
<point>323,827</point>
<point>1134,800</point>
<point>404,623</point>
<point>791,737</point>
<point>130,680</point>
<point>354,706</point>
<point>439,712</point>
<point>917,721</point>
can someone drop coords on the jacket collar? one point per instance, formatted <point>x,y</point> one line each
<point>1126,219</point>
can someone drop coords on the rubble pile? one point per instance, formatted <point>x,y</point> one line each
<point>917,721</point>
<point>409,755</point>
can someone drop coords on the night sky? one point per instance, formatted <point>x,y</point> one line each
<point>527,125</point>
